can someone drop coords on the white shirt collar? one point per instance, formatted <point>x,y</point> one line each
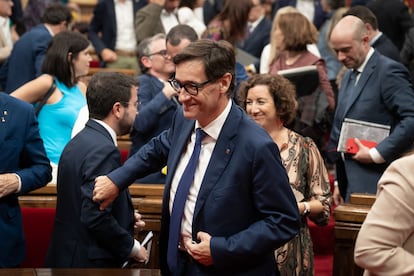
<point>213,129</point>
<point>109,129</point>
<point>370,53</point>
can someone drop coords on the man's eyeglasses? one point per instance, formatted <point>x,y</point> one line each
<point>162,53</point>
<point>137,104</point>
<point>190,87</point>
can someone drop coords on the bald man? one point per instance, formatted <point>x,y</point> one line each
<point>382,94</point>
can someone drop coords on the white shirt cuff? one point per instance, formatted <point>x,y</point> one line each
<point>376,156</point>
<point>20,183</point>
<point>135,249</point>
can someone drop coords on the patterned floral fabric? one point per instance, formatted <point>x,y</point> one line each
<point>309,180</point>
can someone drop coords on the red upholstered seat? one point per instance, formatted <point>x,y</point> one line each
<point>37,225</point>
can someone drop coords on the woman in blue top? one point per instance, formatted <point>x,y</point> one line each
<point>67,59</point>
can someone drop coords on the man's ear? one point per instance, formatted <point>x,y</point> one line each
<point>117,110</point>
<point>224,82</point>
<point>146,61</point>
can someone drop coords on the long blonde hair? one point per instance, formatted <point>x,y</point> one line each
<point>273,50</point>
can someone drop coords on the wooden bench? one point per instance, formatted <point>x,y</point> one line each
<point>38,209</point>
<point>348,221</point>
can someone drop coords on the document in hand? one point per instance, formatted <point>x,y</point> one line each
<point>305,79</point>
<point>147,243</point>
<point>370,134</point>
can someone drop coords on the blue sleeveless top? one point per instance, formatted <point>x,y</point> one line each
<point>57,120</point>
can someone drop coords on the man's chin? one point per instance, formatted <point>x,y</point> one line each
<point>189,113</point>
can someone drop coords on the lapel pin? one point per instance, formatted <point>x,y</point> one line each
<point>227,151</point>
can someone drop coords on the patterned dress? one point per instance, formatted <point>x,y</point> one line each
<point>308,178</point>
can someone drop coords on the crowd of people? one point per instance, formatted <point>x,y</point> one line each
<point>237,107</point>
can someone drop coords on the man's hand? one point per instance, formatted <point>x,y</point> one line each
<point>337,198</point>
<point>200,251</point>
<point>362,155</point>
<point>168,91</point>
<point>139,224</point>
<point>9,183</point>
<point>108,55</point>
<point>142,255</point>
<point>105,191</point>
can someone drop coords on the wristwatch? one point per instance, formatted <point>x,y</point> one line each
<point>307,208</point>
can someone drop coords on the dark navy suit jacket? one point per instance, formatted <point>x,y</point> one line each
<point>257,40</point>
<point>25,61</point>
<point>21,152</point>
<point>84,236</point>
<point>245,201</point>
<point>393,19</point>
<point>102,29</point>
<point>385,46</point>
<point>382,95</point>
<point>155,115</point>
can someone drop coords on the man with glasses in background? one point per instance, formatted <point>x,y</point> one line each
<point>157,98</point>
<point>227,201</point>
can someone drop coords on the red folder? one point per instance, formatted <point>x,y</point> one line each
<point>352,147</point>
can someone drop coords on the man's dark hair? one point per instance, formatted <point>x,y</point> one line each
<point>180,32</point>
<point>365,14</point>
<point>105,89</point>
<point>56,13</point>
<point>217,57</point>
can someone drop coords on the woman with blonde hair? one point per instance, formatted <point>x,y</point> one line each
<point>316,107</point>
<point>269,51</point>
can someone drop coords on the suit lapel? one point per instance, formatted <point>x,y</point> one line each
<point>180,143</point>
<point>365,75</point>
<point>4,117</point>
<point>223,150</point>
<point>112,15</point>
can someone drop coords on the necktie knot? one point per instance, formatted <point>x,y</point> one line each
<point>200,135</point>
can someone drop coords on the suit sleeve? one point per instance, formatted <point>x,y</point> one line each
<point>35,170</point>
<point>96,26</point>
<point>105,228</point>
<point>398,96</point>
<point>388,227</point>
<point>153,104</point>
<point>147,20</point>
<point>152,157</point>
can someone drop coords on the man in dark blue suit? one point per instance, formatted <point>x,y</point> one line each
<point>105,30</point>
<point>157,98</point>
<point>382,94</point>
<point>83,236</point>
<point>25,61</point>
<point>240,206</point>
<point>394,19</point>
<point>258,32</point>
<point>24,168</point>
